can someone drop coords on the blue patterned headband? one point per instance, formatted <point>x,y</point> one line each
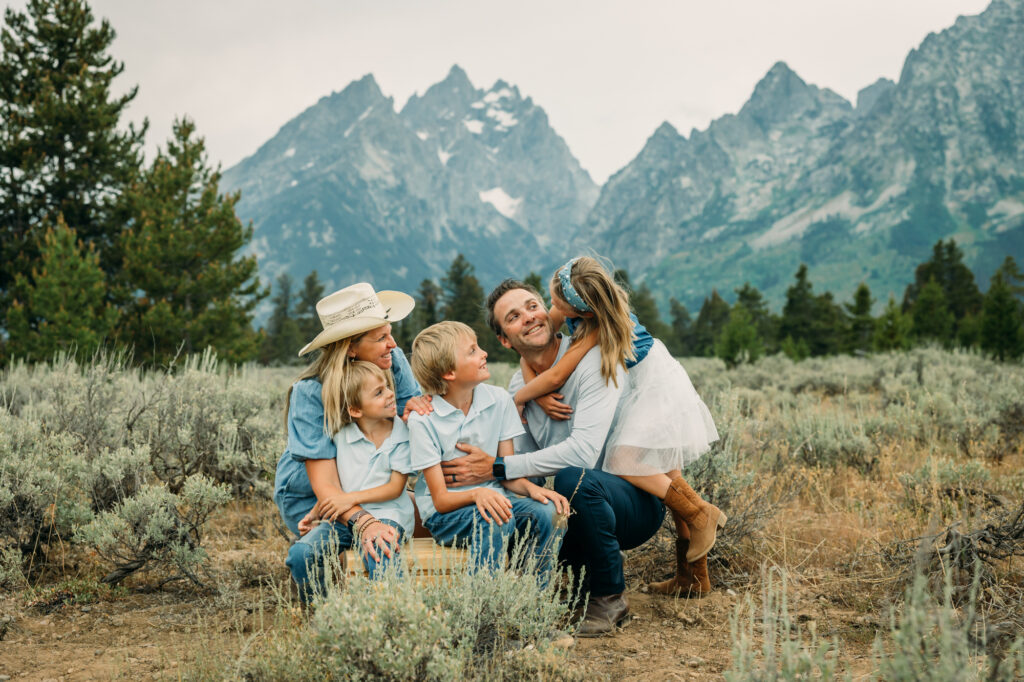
<point>570,294</point>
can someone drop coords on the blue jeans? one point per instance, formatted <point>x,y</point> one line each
<point>610,515</point>
<point>531,521</point>
<point>306,558</point>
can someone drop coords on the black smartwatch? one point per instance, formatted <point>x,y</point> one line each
<point>498,469</point>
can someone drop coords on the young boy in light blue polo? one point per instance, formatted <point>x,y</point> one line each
<point>373,466</point>
<point>448,363</point>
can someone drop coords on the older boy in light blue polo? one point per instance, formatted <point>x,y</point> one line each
<point>447,362</point>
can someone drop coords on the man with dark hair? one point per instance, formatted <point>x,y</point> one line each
<point>610,514</point>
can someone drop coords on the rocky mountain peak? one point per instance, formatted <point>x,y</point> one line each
<point>869,96</point>
<point>781,95</point>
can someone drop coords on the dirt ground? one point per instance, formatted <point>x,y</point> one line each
<point>143,633</point>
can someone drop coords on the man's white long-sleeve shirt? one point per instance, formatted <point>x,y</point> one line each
<point>550,445</point>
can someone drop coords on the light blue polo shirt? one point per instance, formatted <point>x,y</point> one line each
<point>362,465</point>
<point>492,418</point>
<point>308,439</point>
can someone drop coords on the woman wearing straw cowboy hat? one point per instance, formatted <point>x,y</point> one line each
<point>356,326</point>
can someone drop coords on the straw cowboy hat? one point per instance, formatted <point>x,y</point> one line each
<point>357,309</point>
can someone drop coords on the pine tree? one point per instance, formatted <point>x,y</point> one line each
<point>305,313</point>
<point>188,287</point>
<point>646,311</point>
<point>534,280</point>
<point>893,329</point>
<point>1002,334</point>
<point>931,315</point>
<point>711,319</point>
<point>464,302</point>
<point>63,149</point>
<point>283,337</point>
<point>740,340</point>
<point>861,328</point>
<point>62,306</point>
<point>767,324</point>
<point>798,314</point>
<point>682,341</point>
<point>956,280</point>
<point>829,326</point>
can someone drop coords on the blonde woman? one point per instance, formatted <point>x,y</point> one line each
<point>356,326</point>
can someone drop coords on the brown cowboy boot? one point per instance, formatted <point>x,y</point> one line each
<point>690,580</point>
<point>703,519</point>
<point>603,616</point>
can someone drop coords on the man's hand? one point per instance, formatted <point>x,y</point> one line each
<point>492,505</point>
<point>543,495</point>
<point>473,468</point>
<point>379,537</point>
<point>553,407</point>
<point>420,404</point>
<point>333,506</point>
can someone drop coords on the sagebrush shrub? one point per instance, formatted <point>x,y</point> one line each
<point>785,653</point>
<point>461,625</point>
<point>206,420</point>
<point>156,529</point>
<point>936,641</point>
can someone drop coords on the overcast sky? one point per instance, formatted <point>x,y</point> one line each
<point>607,72</point>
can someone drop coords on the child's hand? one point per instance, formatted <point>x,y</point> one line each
<point>379,538</point>
<point>553,407</point>
<point>335,505</point>
<point>309,521</point>
<point>419,404</point>
<point>543,495</point>
<point>519,408</point>
<point>492,505</point>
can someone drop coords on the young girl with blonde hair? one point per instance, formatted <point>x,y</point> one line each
<point>662,424</point>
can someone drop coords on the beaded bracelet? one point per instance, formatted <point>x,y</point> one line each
<point>362,525</point>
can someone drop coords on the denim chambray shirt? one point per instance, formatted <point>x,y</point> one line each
<point>308,439</point>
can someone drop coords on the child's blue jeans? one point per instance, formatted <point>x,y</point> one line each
<point>306,557</point>
<point>531,520</point>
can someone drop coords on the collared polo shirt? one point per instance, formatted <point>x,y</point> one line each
<point>362,465</point>
<point>492,418</point>
<point>308,438</point>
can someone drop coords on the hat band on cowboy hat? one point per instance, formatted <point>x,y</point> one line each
<point>357,309</point>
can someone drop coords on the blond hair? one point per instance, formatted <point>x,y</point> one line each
<point>433,354</point>
<point>609,304</point>
<point>330,367</point>
<point>355,377</point>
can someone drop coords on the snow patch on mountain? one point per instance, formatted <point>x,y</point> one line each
<point>501,201</point>
<point>475,127</point>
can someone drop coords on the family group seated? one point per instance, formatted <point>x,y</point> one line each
<point>603,413</point>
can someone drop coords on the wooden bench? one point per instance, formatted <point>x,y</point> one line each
<point>423,556</point>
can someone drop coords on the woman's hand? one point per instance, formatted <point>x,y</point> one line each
<point>420,404</point>
<point>553,407</point>
<point>333,506</point>
<point>379,537</point>
<point>492,505</point>
<point>543,495</point>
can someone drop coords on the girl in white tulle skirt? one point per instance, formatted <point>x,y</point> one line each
<point>662,423</point>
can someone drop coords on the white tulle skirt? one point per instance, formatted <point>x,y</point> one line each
<point>662,423</point>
